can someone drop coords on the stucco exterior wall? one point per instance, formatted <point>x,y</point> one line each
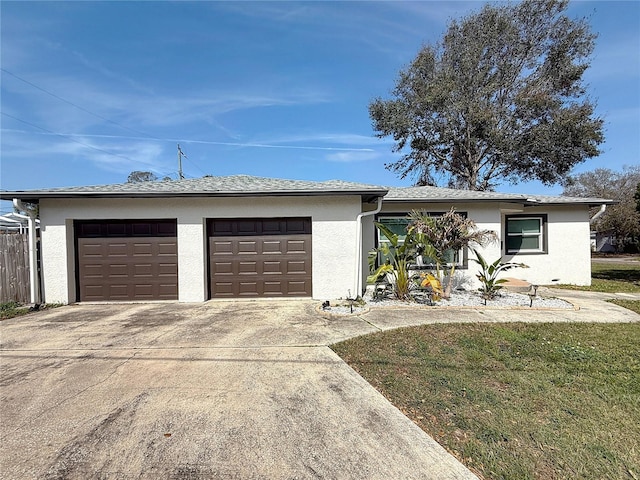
<point>568,257</point>
<point>333,236</point>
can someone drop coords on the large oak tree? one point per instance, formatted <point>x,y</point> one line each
<point>500,98</point>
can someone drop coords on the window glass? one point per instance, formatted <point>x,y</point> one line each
<point>524,234</point>
<point>524,225</point>
<point>396,225</point>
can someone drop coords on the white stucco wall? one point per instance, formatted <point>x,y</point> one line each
<point>333,236</point>
<point>568,257</point>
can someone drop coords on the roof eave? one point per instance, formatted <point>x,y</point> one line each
<point>524,201</point>
<point>451,200</point>
<point>367,195</point>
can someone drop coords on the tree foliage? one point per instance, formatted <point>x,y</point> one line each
<point>140,176</point>
<point>501,98</point>
<point>622,219</point>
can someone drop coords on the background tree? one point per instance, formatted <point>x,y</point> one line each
<point>622,219</point>
<point>140,176</point>
<point>500,98</point>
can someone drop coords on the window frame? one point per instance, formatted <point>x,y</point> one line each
<point>461,258</point>
<point>542,234</point>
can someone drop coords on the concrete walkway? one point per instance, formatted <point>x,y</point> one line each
<point>246,390</point>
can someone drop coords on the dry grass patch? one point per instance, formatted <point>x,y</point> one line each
<point>543,401</point>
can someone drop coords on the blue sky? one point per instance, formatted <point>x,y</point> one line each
<point>94,90</point>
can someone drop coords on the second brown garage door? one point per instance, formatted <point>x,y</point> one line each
<point>259,257</point>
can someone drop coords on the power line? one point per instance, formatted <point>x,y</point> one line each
<point>76,105</point>
<point>227,144</point>
<point>68,138</point>
<point>58,97</point>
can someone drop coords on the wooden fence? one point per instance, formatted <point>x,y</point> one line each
<point>14,268</point>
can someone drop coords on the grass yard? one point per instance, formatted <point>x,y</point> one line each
<point>15,309</point>
<point>516,401</point>
<point>11,309</point>
<point>633,305</point>
<point>612,278</point>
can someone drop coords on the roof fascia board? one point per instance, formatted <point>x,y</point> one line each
<point>36,195</point>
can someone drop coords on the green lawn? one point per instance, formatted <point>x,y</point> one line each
<point>516,401</point>
<point>612,277</point>
<point>15,309</point>
<point>11,309</point>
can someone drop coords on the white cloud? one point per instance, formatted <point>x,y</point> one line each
<point>351,157</point>
<point>118,156</point>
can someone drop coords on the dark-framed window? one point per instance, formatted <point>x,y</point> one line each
<point>525,234</point>
<point>398,224</point>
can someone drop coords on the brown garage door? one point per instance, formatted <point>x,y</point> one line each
<point>127,260</point>
<point>259,257</point>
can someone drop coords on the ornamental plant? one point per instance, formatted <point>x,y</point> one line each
<point>447,233</point>
<point>488,276</point>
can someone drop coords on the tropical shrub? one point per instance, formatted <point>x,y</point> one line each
<point>488,276</point>
<point>398,255</point>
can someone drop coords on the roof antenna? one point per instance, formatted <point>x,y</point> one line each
<point>180,155</point>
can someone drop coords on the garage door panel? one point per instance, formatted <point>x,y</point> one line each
<point>247,247</point>
<point>297,246</point>
<point>93,250</point>
<point>297,288</point>
<point>277,260</point>
<point>141,250</point>
<point>140,270</point>
<point>167,270</point>
<point>128,268</point>
<point>297,267</point>
<point>273,289</point>
<point>116,250</point>
<point>248,289</point>
<point>167,249</point>
<point>141,290</point>
<point>94,271</point>
<point>117,270</point>
<point>224,289</point>
<point>272,268</point>
<point>272,247</point>
<point>222,268</point>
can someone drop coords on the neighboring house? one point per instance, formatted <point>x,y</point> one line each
<point>245,237</point>
<point>603,242</point>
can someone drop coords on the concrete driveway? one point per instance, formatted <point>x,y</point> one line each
<point>224,390</point>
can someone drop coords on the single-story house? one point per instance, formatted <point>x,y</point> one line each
<point>244,237</point>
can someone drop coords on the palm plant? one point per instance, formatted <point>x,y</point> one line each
<point>399,254</point>
<point>447,233</point>
<point>488,276</point>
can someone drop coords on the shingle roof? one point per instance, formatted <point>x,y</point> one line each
<point>440,195</point>
<point>246,185</point>
<point>234,185</point>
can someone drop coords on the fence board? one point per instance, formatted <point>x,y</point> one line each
<point>14,268</point>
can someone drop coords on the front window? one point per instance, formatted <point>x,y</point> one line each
<point>398,225</point>
<point>525,234</point>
